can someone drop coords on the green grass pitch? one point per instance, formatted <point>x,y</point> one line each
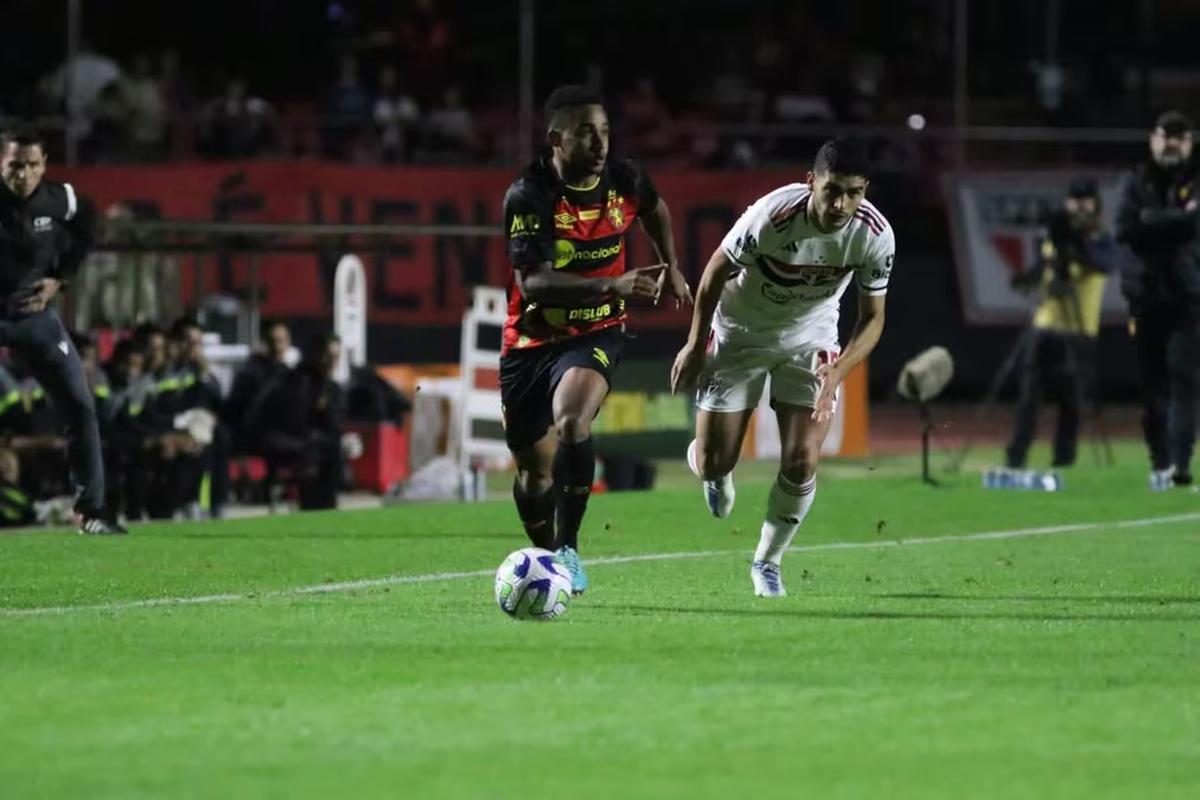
<point>1060,662</point>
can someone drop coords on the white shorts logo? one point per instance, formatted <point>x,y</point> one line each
<point>64,346</point>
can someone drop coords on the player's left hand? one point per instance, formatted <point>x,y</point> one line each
<point>40,294</point>
<point>675,286</point>
<point>831,379</point>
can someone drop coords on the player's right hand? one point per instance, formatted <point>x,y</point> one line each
<point>640,282</point>
<point>689,363</point>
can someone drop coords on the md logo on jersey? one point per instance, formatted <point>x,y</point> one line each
<point>524,225</point>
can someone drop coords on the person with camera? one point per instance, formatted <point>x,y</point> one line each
<point>1158,221</point>
<point>1075,257</point>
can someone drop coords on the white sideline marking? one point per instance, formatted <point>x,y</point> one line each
<point>400,580</point>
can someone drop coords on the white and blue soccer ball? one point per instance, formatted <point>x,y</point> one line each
<point>533,584</point>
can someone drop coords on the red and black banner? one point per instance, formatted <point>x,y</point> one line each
<point>419,280</point>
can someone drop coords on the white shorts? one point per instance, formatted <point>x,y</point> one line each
<point>734,375</point>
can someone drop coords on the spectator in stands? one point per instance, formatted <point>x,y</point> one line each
<point>89,73</point>
<point>300,418</point>
<point>237,124</point>
<point>347,110</point>
<point>645,121</point>
<point>396,115</point>
<point>420,39</point>
<point>111,136</point>
<point>146,102</point>
<point>179,104</point>
<point>449,128</point>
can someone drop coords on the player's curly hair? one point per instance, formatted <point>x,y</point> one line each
<point>844,156</point>
<point>570,96</point>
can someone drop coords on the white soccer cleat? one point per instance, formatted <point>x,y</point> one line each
<point>719,494</point>
<point>767,580</point>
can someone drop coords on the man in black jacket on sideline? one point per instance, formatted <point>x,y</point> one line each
<point>1159,220</point>
<point>45,232</point>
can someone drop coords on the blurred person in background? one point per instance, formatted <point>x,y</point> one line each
<point>1158,221</point>
<point>449,128</point>
<point>299,417</point>
<point>237,124</point>
<point>199,410</point>
<point>396,115</point>
<point>168,454</point>
<point>45,232</point>
<point>272,360</point>
<point>347,111</point>
<point>123,432</point>
<point>89,73</point>
<point>147,105</point>
<point>1075,257</point>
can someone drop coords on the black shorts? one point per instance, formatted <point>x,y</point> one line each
<point>528,379</point>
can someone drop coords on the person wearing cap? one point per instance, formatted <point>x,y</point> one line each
<point>1074,259</point>
<point>1158,221</point>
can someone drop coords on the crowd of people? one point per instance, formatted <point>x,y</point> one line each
<point>169,432</point>
<point>419,81</point>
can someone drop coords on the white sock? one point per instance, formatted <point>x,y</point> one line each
<point>787,506</point>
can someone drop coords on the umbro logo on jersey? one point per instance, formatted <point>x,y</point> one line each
<point>64,347</point>
<point>42,224</point>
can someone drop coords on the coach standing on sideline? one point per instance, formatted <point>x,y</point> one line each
<point>1158,220</point>
<point>44,234</point>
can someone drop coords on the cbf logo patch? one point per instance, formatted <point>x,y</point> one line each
<point>41,224</point>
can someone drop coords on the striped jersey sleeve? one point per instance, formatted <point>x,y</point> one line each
<point>763,223</point>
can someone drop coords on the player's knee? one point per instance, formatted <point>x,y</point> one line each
<point>800,465</point>
<point>534,481</point>
<point>573,427</point>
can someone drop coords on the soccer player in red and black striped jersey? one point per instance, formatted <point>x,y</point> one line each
<point>565,219</point>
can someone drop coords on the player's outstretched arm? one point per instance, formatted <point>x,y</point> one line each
<point>690,360</point>
<point>543,284</point>
<point>657,225</point>
<point>867,331</point>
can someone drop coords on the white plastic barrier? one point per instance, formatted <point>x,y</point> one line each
<point>479,451</point>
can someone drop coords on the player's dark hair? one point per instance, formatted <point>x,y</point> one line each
<point>843,156</point>
<point>23,136</point>
<point>568,97</point>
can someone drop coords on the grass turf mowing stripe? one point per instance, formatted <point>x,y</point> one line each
<point>398,580</point>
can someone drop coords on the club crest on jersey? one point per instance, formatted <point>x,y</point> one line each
<point>616,214</point>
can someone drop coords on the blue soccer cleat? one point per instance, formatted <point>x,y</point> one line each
<point>570,559</point>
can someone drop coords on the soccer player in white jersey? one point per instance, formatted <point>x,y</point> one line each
<point>768,305</point>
